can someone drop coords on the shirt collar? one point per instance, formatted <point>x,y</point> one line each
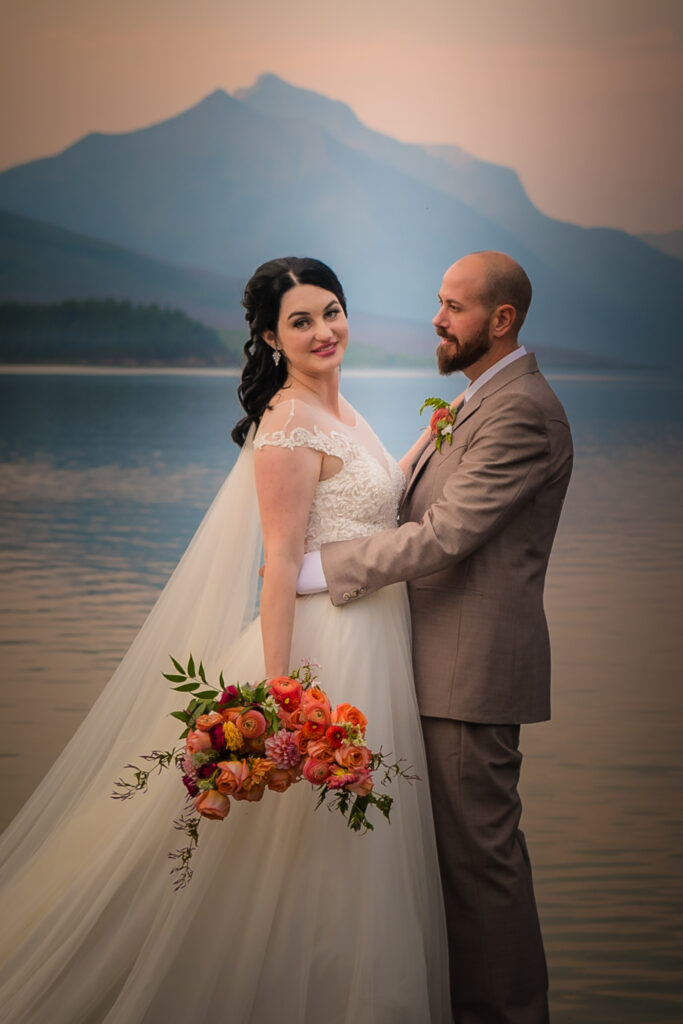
<point>492,371</point>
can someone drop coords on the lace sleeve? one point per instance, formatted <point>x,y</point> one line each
<point>290,425</point>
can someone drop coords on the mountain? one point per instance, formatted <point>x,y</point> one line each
<point>43,263</point>
<point>275,170</point>
<point>670,242</point>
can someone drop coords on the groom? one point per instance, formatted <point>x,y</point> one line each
<point>477,524</point>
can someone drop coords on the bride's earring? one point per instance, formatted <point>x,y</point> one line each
<point>277,356</point>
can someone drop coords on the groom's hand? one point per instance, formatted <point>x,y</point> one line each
<point>311,578</point>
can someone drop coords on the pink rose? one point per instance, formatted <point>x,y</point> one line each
<point>212,804</point>
<point>232,775</point>
<point>315,771</point>
<point>251,723</point>
<point>197,741</point>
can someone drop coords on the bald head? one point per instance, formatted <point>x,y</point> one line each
<point>500,281</point>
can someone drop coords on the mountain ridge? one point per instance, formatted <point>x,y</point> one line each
<point>272,170</point>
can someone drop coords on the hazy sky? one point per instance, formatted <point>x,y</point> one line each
<point>583,98</point>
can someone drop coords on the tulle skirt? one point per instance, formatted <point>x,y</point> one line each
<point>290,916</point>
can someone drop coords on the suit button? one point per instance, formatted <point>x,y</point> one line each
<point>346,597</point>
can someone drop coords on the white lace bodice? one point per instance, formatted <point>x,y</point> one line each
<point>360,499</point>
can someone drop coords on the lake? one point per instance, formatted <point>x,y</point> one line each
<point>105,476</point>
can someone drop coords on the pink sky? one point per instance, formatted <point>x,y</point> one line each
<point>584,99</point>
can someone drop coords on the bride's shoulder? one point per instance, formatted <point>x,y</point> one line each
<point>290,422</point>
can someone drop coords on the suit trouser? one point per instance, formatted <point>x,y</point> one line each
<point>497,964</point>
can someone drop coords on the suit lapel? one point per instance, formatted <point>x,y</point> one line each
<point>525,364</point>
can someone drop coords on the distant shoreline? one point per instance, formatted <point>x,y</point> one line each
<point>79,369</point>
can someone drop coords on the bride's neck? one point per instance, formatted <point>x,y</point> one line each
<point>324,390</point>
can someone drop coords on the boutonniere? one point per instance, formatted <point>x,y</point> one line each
<point>442,420</point>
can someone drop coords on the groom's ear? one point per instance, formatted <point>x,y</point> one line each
<point>503,320</point>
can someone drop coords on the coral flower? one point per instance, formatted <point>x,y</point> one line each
<point>251,723</point>
<point>363,784</point>
<point>352,757</point>
<point>198,741</point>
<point>348,713</point>
<point>313,730</point>
<point>207,722</point>
<point>316,772</point>
<point>320,749</point>
<point>287,692</point>
<point>232,775</point>
<point>212,804</point>
<point>280,779</point>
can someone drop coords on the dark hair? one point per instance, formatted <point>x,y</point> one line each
<point>261,378</point>
<point>506,284</point>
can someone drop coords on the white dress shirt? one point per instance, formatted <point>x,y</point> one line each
<point>311,578</point>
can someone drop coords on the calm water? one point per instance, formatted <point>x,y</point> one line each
<point>106,476</point>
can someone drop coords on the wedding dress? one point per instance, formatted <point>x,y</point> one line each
<point>290,916</point>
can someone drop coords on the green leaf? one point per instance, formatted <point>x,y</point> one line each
<point>182,716</point>
<point>186,686</point>
<point>438,403</point>
<point>201,673</point>
<point>210,694</point>
<point>177,664</point>
<point>174,679</point>
<point>190,667</point>
<point>221,681</point>
<point>184,734</point>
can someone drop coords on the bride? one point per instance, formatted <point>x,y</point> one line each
<point>290,916</point>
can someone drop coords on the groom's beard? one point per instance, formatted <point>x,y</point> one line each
<point>458,355</point>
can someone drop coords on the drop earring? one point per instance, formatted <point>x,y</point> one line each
<point>277,356</point>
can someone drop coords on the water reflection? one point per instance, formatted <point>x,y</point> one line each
<point>105,481</point>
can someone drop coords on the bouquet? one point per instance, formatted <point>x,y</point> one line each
<point>242,739</point>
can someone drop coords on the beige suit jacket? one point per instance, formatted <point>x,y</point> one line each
<point>477,522</point>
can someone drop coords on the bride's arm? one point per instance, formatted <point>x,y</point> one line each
<point>407,461</point>
<point>285,484</point>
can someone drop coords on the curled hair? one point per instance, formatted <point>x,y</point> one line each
<point>261,378</point>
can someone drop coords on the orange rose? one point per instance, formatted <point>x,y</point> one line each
<point>253,795</point>
<point>280,779</point>
<point>348,714</point>
<point>315,705</point>
<point>232,775</point>
<point>212,804</point>
<point>207,722</point>
<point>197,741</point>
<point>320,749</point>
<point>352,757</point>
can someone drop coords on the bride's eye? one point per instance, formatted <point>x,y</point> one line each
<point>300,323</point>
<point>332,313</point>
